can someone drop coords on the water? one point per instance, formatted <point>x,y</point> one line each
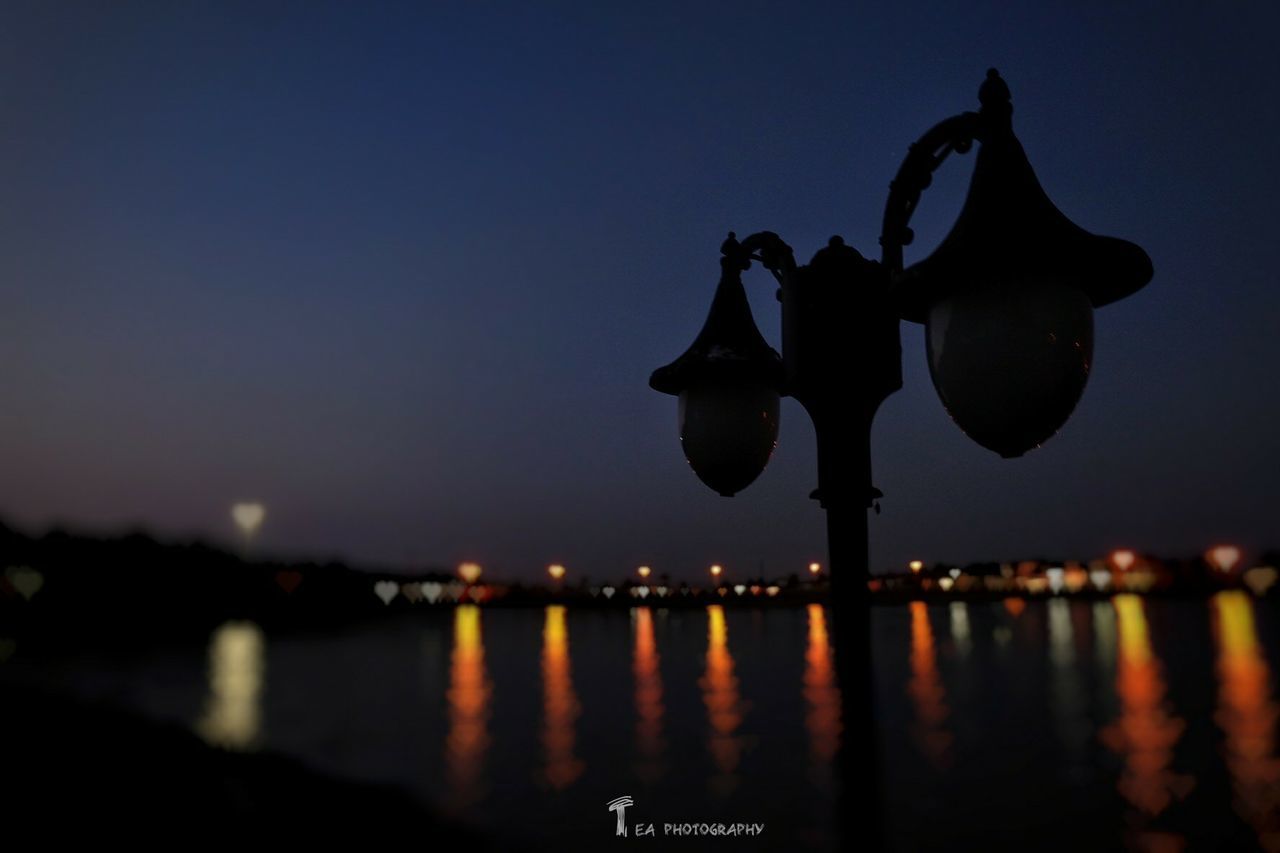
<point>1129,723</point>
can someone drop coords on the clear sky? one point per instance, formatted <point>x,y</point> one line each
<point>401,271</point>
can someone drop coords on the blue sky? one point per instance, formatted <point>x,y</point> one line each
<point>401,271</point>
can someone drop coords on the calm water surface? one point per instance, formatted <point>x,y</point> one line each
<point>1127,723</point>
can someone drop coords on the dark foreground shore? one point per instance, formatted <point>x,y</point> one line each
<point>80,771</point>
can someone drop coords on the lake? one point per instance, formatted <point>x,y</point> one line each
<point>1127,723</point>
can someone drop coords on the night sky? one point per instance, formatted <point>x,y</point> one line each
<point>401,272</point>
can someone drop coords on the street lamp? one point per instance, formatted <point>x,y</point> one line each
<point>1007,302</point>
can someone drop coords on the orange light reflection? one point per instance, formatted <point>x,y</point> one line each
<point>560,702</point>
<point>926,689</point>
<point>1247,716</point>
<point>1147,731</point>
<point>724,705</point>
<point>470,691</point>
<point>649,707</point>
<point>820,690</point>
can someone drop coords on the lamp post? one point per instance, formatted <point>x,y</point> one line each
<point>1007,301</point>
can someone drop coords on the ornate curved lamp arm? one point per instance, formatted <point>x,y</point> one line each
<point>913,178</point>
<point>927,154</point>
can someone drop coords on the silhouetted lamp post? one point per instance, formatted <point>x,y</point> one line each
<point>1007,302</point>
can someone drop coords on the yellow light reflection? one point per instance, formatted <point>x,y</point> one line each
<point>724,705</point>
<point>926,690</point>
<point>1247,716</point>
<point>560,706</point>
<point>1147,731</point>
<point>233,711</point>
<point>470,691</point>
<point>649,708</point>
<point>820,691</point>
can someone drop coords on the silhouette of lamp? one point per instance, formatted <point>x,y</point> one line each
<point>1006,299</point>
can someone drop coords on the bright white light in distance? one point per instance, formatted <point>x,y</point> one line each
<point>248,516</point>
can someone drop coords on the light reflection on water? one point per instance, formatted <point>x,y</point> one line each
<point>1147,731</point>
<point>560,703</point>
<point>468,696</point>
<point>1247,715</point>
<point>1069,700</point>
<point>648,698</point>
<point>725,710</point>
<point>500,721</point>
<point>960,632</point>
<point>232,717</point>
<point>926,690</point>
<point>823,696</point>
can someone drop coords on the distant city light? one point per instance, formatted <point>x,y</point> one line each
<point>1260,579</point>
<point>716,570</point>
<point>470,572</point>
<point>1076,579</point>
<point>1123,559</point>
<point>915,565</point>
<point>556,571</point>
<point>1224,558</point>
<point>814,568</point>
<point>386,590</point>
<point>643,571</point>
<point>248,517</point>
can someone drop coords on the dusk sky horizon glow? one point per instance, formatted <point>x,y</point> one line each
<point>401,272</point>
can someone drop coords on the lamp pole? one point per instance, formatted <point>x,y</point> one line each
<point>1007,300</point>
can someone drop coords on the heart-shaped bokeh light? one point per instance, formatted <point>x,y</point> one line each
<point>470,572</point>
<point>386,590</point>
<point>1224,558</point>
<point>248,516</point>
